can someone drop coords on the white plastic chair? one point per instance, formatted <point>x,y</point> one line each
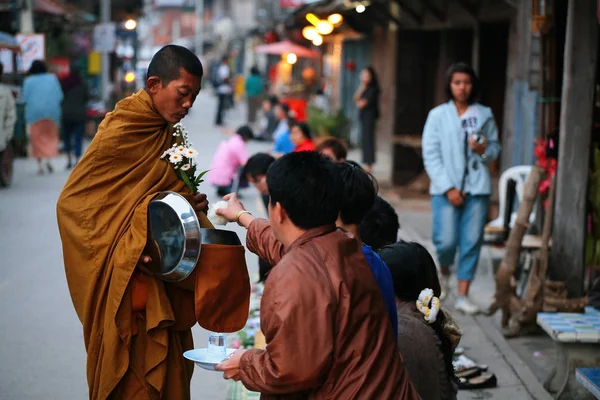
<point>519,174</point>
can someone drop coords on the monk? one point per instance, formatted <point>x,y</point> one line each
<point>136,326</point>
<point>325,322</point>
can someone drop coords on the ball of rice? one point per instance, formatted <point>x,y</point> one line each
<point>212,213</point>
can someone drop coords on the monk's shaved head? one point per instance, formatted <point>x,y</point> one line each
<point>168,62</point>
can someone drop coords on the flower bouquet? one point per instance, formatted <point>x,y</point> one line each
<point>182,155</point>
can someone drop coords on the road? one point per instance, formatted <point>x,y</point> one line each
<point>42,353</point>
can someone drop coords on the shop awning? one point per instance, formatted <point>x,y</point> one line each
<point>287,46</point>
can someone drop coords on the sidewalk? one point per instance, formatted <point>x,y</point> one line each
<point>482,341</point>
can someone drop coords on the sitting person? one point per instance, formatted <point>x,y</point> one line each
<point>231,155</point>
<point>380,226</point>
<point>424,342</point>
<point>281,136</point>
<point>321,310</point>
<point>359,193</point>
<point>333,148</point>
<point>255,172</point>
<point>301,137</point>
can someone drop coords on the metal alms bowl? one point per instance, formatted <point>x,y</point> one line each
<point>174,229</point>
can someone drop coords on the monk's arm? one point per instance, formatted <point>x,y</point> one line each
<point>261,241</point>
<point>297,321</point>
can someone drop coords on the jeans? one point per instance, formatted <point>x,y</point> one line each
<point>73,132</point>
<point>221,107</point>
<point>460,227</point>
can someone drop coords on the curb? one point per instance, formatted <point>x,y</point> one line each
<point>521,370</point>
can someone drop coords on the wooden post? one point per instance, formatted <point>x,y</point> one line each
<point>568,242</point>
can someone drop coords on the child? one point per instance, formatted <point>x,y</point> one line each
<point>231,155</point>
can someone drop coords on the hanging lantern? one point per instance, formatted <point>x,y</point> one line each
<point>324,27</point>
<point>318,40</point>
<point>335,19</point>
<point>542,16</point>
<point>309,32</point>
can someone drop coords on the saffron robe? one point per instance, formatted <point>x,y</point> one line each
<point>134,346</point>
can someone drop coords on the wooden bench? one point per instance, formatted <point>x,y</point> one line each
<point>577,341</point>
<point>590,379</point>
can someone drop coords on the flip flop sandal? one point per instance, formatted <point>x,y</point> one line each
<point>468,372</point>
<point>483,381</point>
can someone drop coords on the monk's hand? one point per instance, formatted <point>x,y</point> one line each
<point>142,264</point>
<point>231,366</point>
<point>200,202</point>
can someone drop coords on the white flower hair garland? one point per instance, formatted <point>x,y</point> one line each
<point>425,297</point>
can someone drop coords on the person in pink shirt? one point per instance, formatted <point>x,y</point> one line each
<point>231,155</point>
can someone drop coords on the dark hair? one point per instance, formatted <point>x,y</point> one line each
<point>168,61</point>
<point>303,128</point>
<point>258,164</point>
<point>285,108</point>
<point>413,270</point>
<point>359,191</point>
<point>245,132</point>
<point>254,71</point>
<point>320,92</point>
<point>374,81</point>
<point>273,100</point>
<point>337,148</point>
<point>308,187</point>
<point>380,225</point>
<point>461,67</point>
<point>1,68</point>
<point>38,67</point>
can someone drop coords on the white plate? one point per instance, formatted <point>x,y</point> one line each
<point>199,357</point>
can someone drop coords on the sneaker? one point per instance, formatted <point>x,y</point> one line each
<point>444,285</point>
<point>464,304</point>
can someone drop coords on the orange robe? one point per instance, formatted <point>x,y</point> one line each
<point>102,219</point>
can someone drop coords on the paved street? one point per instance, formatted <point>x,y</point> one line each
<point>42,351</point>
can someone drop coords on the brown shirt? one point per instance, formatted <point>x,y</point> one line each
<point>421,350</point>
<point>325,323</point>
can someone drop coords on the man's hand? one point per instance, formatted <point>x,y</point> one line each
<point>455,197</point>
<point>231,366</point>
<point>142,264</point>
<point>478,148</point>
<point>234,207</point>
<point>200,202</point>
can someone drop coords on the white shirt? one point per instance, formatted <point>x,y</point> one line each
<point>223,73</point>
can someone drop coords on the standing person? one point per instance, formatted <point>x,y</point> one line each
<point>269,121</point>
<point>254,90</point>
<point>230,156</point>
<point>74,109</point>
<point>367,101</point>
<point>8,116</point>
<point>322,313</point>
<point>135,325</point>
<point>224,89</point>
<point>42,96</point>
<point>460,138</point>
<point>301,137</point>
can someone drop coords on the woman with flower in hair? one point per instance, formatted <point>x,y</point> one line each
<point>427,336</point>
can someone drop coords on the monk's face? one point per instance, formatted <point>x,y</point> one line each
<point>174,100</point>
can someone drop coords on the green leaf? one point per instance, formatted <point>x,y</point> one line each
<point>187,181</point>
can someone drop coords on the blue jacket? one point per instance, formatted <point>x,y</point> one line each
<point>383,276</point>
<point>43,96</point>
<point>444,151</point>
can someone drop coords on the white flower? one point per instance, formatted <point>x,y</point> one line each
<point>212,213</point>
<point>166,153</point>
<point>180,150</point>
<point>185,167</point>
<point>175,158</point>
<point>190,153</point>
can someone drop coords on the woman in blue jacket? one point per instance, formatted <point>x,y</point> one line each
<point>460,139</point>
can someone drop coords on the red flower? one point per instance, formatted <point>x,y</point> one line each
<point>544,186</point>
